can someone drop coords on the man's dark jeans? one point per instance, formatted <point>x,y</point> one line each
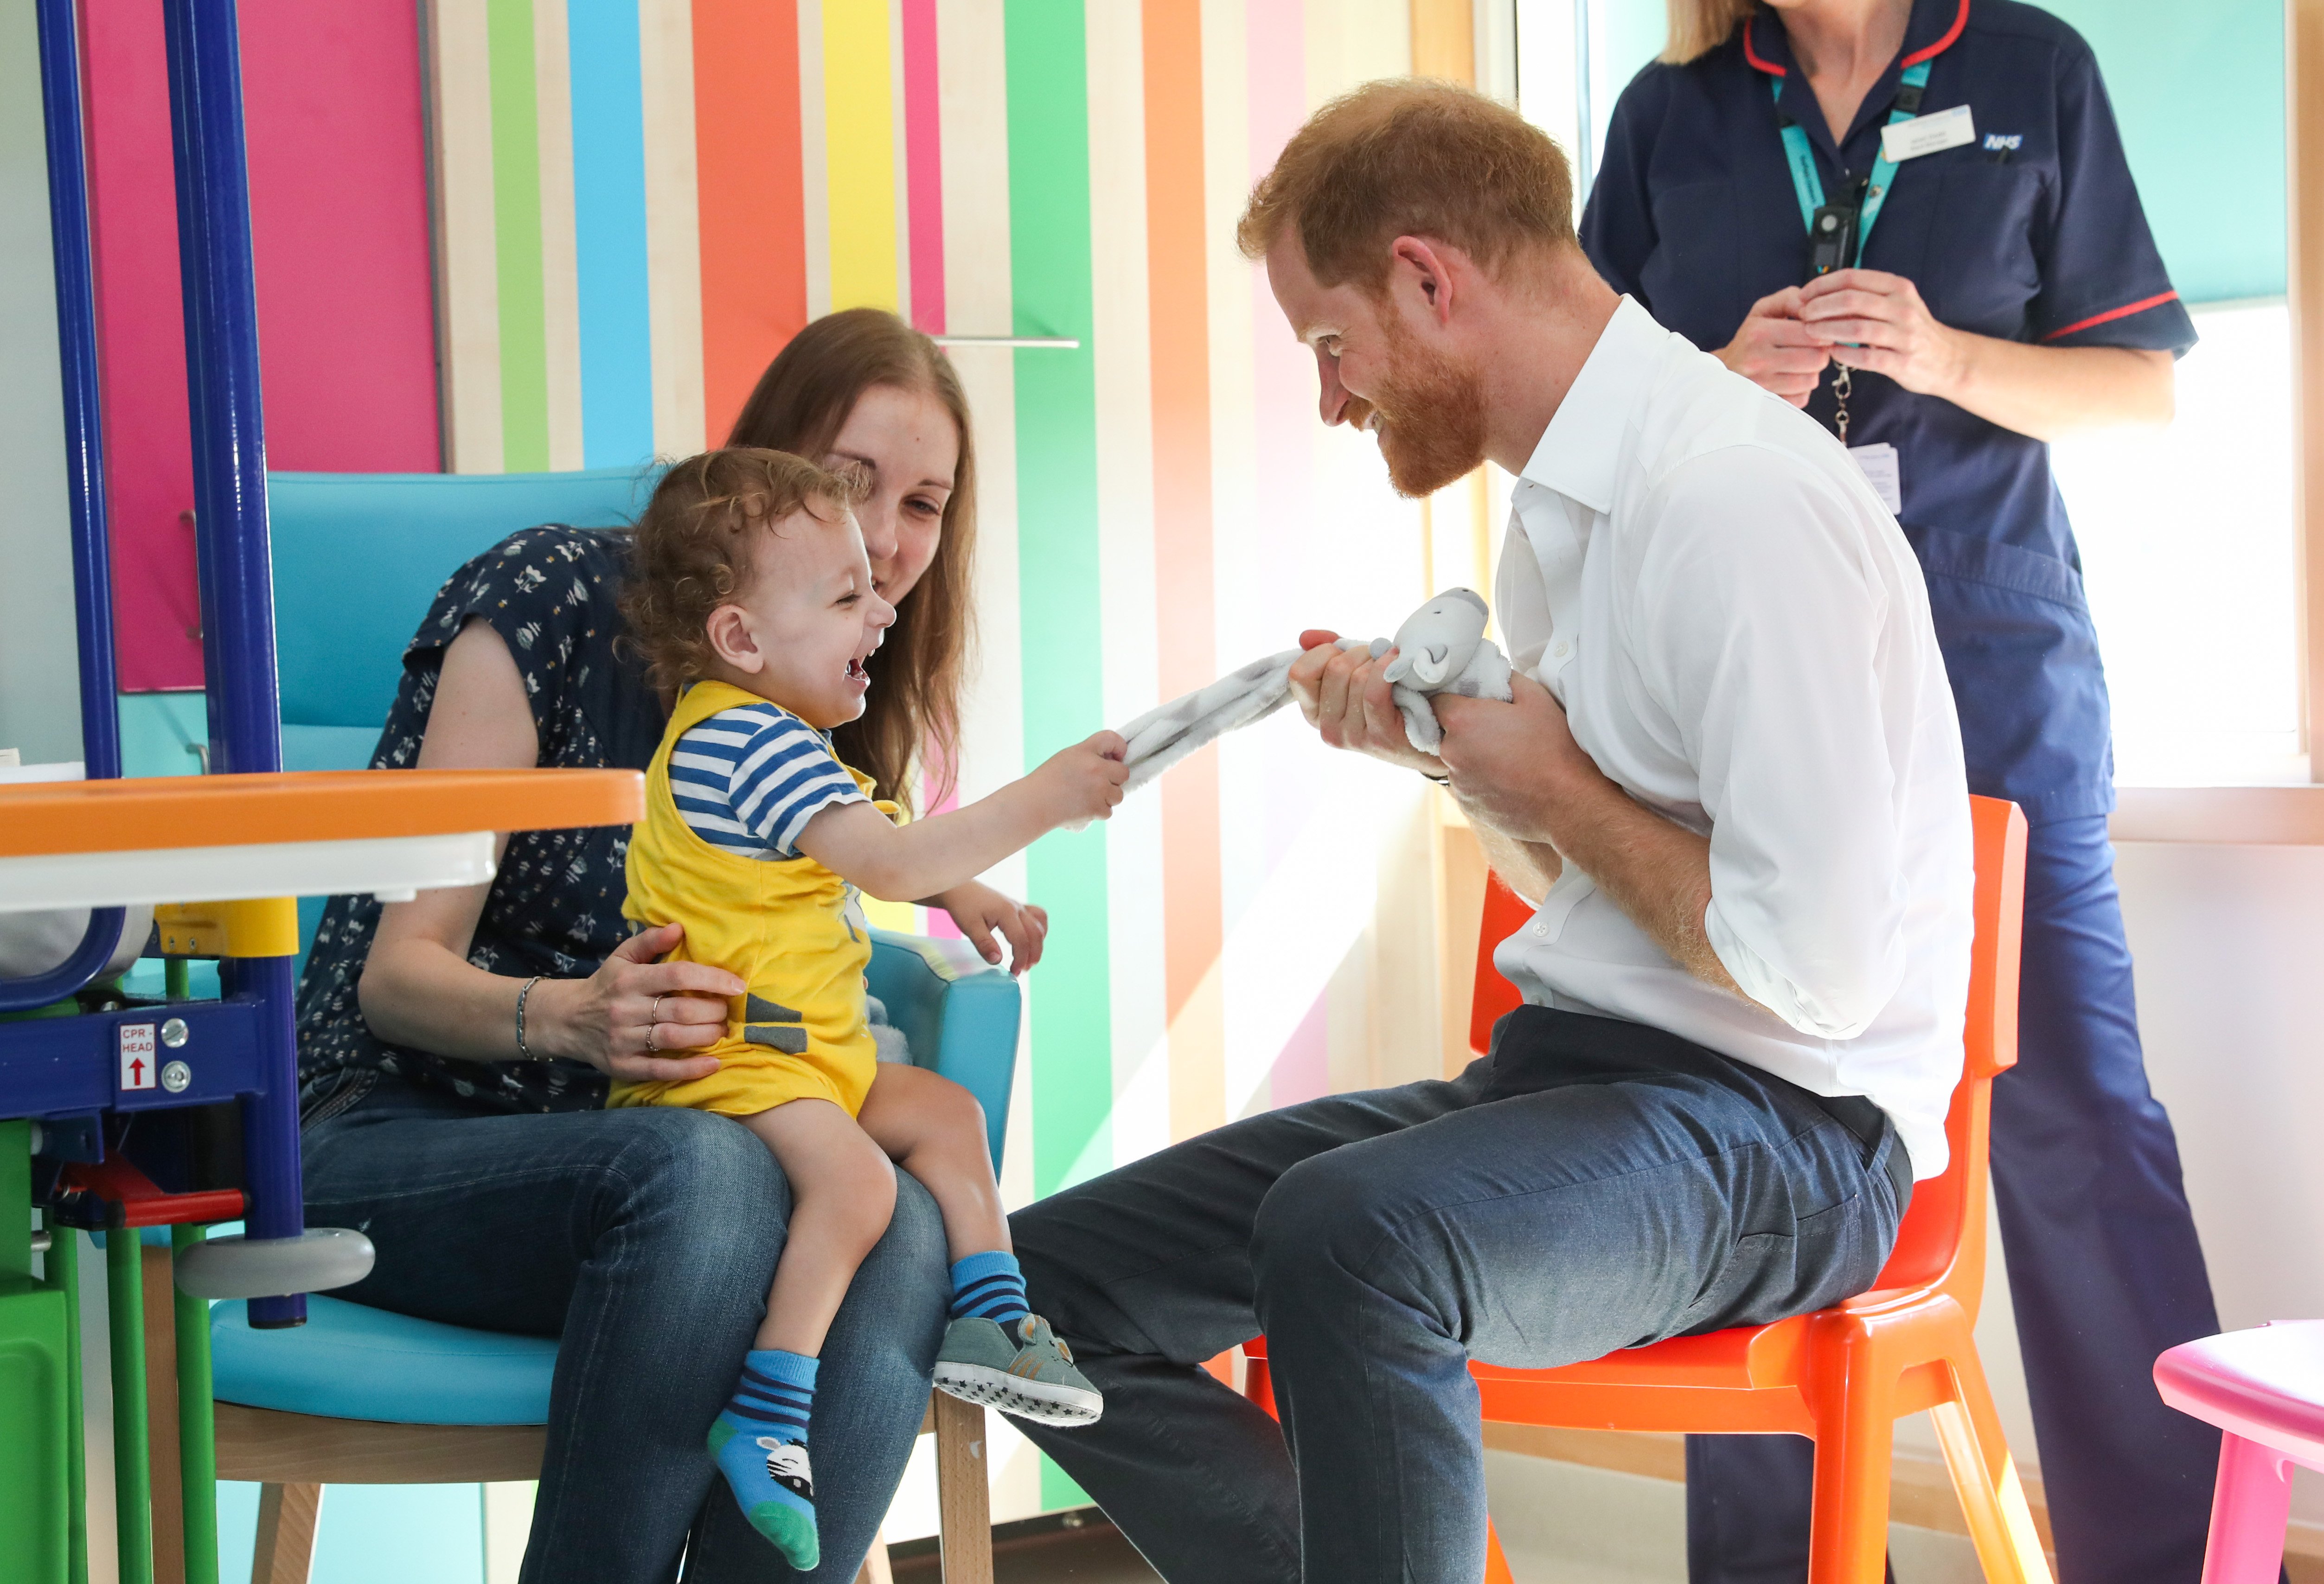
<point>645,1238</point>
<point>1591,1184</point>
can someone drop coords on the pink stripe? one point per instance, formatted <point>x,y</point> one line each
<point>1303,1071</point>
<point>1284,380</point>
<point>924,164</point>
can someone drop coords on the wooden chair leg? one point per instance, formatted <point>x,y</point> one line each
<point>287,1515</point>
<point>1985,1478</point>
<point>876,1569</point>
<point>166,1502</point>
<point>964,1492</point>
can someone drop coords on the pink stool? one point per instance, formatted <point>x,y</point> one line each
<point>2266,1389</point>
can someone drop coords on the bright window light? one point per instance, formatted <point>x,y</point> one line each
<point>2188,553</point>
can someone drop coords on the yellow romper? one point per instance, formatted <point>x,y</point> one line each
<point>789,927</point>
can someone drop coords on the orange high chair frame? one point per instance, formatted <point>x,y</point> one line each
<point>1841,1375</point>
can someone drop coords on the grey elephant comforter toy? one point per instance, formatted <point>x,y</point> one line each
<point>1442,648</point>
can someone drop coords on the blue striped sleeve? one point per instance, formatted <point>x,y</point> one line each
<point>749,779</point>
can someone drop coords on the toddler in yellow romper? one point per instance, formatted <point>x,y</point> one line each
<point>751,595</point>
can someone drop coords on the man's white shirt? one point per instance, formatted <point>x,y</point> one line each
<point>1740,638</point>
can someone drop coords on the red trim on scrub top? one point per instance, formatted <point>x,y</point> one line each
<point>1960,21</point>
<point>1952,34</point>
<point>2124,312</point>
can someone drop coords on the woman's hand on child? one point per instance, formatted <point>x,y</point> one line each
<point>1083,782</point>
<point>980,911</point>
<point>627,1016</point>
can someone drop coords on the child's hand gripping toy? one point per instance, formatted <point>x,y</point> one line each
<point>1442,648</point>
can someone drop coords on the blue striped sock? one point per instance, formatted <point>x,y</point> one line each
<point>752,1440</point>
<point>990,1286</point>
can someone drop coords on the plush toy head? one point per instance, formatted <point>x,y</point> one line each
<point>1436,643</point>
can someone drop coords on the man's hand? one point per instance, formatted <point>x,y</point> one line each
<point>1515,765</point>
<point>1345,695</point>
<point>1775,351</point>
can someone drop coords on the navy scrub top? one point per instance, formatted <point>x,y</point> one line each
<point>2031,233</point>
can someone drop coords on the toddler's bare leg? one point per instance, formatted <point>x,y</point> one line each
<point>843,1193</point>
<point>935,1129</point>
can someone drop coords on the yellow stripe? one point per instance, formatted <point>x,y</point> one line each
<point>860,153</point>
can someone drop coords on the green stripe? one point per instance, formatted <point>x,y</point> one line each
<point>1060,639</point>
<point>516,236</point>
<point>1057,563</point>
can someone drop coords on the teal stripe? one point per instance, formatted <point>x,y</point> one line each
<point>609,228</point>
<point>1057,560</point>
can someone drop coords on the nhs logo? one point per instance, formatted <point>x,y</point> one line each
<point>1997,141</point>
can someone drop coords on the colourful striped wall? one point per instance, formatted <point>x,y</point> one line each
<point>1159,500</point>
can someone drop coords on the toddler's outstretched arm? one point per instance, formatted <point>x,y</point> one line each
<point>904,863</point>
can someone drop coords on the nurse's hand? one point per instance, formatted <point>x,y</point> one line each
<point>1773,350</point>
<point>1891,329</point>
<point>1345,695</point>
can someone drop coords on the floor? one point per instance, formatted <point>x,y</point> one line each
<point>1561,1523</point>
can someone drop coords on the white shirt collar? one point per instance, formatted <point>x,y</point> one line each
<point>1579,450</point>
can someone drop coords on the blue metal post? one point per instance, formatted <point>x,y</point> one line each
<point>100,726</point>
<point>230,537</point>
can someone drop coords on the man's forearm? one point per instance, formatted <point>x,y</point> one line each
<point>1527,868</point>
<point>1655,871</point>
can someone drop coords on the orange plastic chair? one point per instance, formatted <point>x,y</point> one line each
<point>1841,1375</point>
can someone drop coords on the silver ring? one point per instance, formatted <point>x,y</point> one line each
<point>654,1015</point>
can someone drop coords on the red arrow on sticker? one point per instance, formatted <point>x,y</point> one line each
<point>137,1073</point>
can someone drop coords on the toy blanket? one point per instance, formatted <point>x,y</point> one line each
<point>1442,648</point>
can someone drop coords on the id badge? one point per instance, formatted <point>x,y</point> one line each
<point>1879,465</point>
<point>1927,134</point>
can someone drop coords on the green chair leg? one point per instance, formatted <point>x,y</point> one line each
<point>124,1302</point>
<point>196,1425</point>
<point>35,1437</point>
<point>63,1272</point>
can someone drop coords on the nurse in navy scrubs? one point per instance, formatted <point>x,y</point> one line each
<point>1948,300</point>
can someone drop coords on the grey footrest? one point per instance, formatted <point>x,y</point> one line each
<point>317,1260</point>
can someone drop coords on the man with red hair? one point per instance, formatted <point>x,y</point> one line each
<point>1730,781</point>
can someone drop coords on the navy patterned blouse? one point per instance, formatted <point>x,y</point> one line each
<point>555,907</point>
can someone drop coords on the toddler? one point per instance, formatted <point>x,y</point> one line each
<point>751,595</point>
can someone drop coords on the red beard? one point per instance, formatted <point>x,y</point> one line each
<point>1431,416</point>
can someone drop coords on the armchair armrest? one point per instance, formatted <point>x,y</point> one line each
<point>958,1013</point>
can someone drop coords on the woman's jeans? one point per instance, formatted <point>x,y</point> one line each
<point>645,1239</point>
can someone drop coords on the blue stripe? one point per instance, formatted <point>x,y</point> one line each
<point>791,777</point>
<point>609,233</point>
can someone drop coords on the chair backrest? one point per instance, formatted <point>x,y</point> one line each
<point>358,557</point>
<point>1943,1241</point>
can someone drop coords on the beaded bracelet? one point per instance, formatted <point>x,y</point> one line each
<point>523,1050</point>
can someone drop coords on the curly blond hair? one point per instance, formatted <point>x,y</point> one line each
<point>696,544</point>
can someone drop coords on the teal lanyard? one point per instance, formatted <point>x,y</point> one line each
<point>1808,183</point>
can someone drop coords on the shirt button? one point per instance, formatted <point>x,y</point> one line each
<point>1540,931</point>
<point>1562,650</point>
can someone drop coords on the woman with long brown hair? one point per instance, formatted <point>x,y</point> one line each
<point>454,1050</point>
